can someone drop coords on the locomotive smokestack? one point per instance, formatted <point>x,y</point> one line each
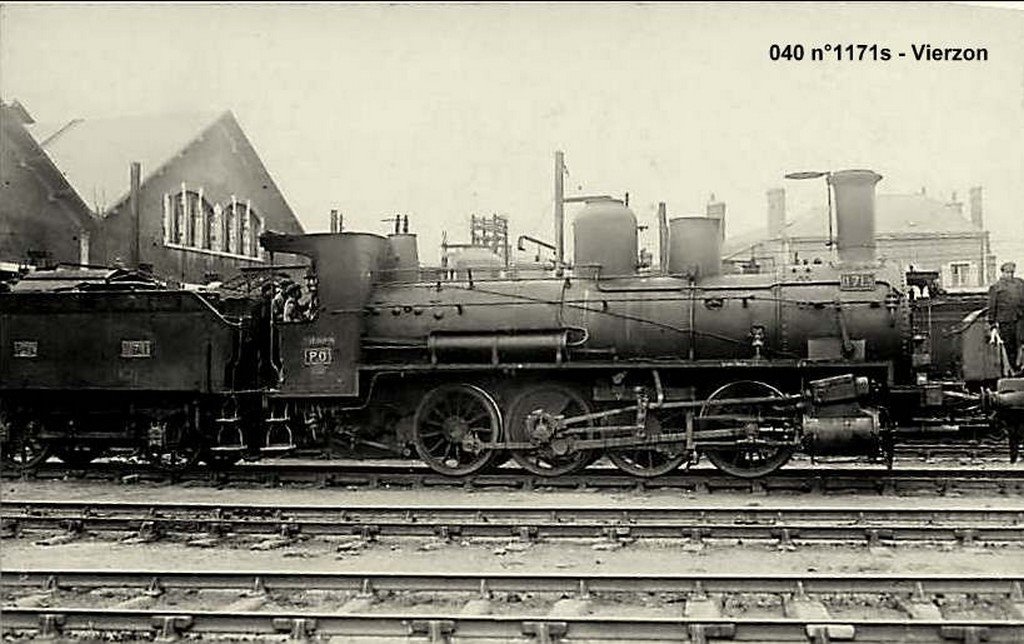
<point>855,213</point>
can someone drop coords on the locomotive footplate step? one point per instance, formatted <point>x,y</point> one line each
<point>271,450</point>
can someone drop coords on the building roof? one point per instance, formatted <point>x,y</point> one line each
<point>95,154</point>
<point>18,110</point>
<point>895,216</point>
<point>16,122</point>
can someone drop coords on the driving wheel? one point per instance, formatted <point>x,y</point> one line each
<point>746,461</point>
<point>451,425</point>
<point>531,418</point>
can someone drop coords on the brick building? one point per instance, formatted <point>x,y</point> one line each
<point>42,218</point>
<point>919,231</point>
<point>204,196</point>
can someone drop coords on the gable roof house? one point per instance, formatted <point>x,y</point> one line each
<point>204,195</point>
<point>42,218</point>
<point>919,231</point>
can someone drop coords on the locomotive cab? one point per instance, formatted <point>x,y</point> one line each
<point>320,355</point>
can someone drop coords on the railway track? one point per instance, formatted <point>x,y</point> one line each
<point>822,478</point>
<point>446,607</point>
<point>150,521</point>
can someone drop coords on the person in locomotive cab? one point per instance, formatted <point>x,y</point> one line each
<point>1006,311</point>
<point>294,311</point>
<point>263,333</point>
<point>280,295</point>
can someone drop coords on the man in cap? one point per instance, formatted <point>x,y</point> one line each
<point>1006,310</point>
<point>280,295</point>
<point>263,333</point>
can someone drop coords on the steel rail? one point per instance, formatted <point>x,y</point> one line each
<point>878,480</point>
<point>1010,586</point>
<point>544,629</point>
<point>804,524</point>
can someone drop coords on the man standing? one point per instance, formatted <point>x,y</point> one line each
<point>263,335</point>
<point>1006,310</point>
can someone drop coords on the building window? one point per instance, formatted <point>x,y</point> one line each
<point>83,247</point>
<point>243,228</point>
<point>186,219</point>
<point>191,222</point>
<point>960,273</point>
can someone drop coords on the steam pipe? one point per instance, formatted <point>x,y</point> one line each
<point>527,238</point>
<point>559,209</point>
<point>663,238</point>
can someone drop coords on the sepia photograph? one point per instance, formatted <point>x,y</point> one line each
<point>582,322</point>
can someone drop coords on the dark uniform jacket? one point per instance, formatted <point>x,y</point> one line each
<point>1006,300</point>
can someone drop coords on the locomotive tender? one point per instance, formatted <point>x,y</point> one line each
<point>553,369</point>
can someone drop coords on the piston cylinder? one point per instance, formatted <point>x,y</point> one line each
<point>842,435</point>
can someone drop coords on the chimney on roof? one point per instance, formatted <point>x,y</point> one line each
<point>776,213</point>
<point>19,112</point>
<point>976,212</point>
<point>956,204</point>
<point>134,205</point>
<point>716,210</point>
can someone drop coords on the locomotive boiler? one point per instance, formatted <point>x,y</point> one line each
<point>651,369</point>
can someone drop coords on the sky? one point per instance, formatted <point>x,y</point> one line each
<point>441,111</point>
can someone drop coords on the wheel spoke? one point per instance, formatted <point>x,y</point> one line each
<point>432,448</point>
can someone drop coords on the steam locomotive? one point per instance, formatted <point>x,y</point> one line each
<point>469,368</point>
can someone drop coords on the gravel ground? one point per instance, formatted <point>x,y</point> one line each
<point>432,556</point>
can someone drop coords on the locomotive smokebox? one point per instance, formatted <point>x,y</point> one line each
<point>695,247</point>
<point>855,214</point>
<point>604,239</point>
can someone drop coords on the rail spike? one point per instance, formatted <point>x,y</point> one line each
<point>366,589</point>
<point>155,587</point>
<point>584,590</point>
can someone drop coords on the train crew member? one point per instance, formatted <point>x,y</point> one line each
<point>263,334</point>
<point>293,309</point>
<point>280,295</point>
<point>1006,311</point>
